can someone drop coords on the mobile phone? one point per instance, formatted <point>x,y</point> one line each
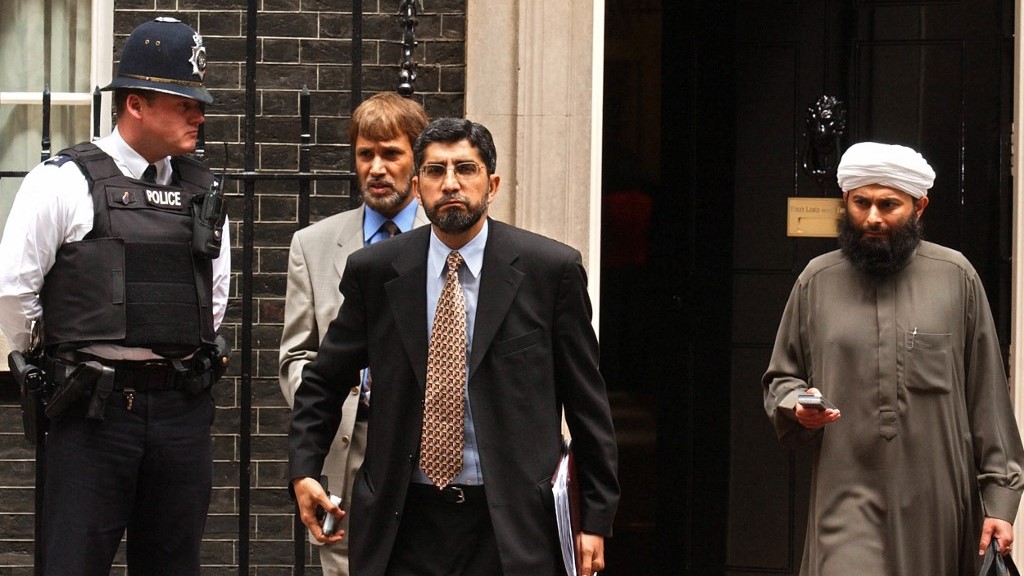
<point>331,524</point>
<point>815,402</point>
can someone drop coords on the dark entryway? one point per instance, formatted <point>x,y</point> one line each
<point>701,156</point>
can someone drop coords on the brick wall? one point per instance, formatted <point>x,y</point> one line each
<point>300,42</point>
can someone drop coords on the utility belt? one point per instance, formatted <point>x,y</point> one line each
<point>79,375</point>
<point>54,382</point>
<point>141,376</point>
<point>159,375</point>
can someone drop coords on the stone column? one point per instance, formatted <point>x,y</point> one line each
<point>534,77</point>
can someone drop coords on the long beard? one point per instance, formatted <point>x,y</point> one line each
<point>880,256</point>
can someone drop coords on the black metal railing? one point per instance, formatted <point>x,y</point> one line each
<point>407,75</point>
<point>247,177</point>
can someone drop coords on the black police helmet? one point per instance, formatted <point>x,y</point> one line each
<point>165,55</point>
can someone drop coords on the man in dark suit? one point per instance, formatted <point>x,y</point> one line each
<point>381,133</point>
<point>530,351</point>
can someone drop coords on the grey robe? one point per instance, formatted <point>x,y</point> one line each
<point>927,444</point>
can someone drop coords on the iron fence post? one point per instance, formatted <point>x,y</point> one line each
<point>44,155</point>
<point>407,75</point>
<point>97,104</point>
<point>248,233</point>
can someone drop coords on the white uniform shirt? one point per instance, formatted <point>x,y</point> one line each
<point>54,206</point>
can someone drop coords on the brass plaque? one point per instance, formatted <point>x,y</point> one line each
<point>814,217</point>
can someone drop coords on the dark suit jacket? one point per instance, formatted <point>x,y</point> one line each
<point>534,350</point>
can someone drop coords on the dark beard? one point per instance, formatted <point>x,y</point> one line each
<point>456,221</point>
<point>880,256</point>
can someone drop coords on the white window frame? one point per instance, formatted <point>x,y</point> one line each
<point>100,70</point>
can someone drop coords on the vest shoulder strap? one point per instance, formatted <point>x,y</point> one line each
<point>94,163</point>
<point>189,171</point>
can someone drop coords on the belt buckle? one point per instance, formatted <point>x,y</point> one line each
<point>158,375</point>
<point>460,494</point>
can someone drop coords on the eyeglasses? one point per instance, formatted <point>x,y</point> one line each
<point>463,171</point>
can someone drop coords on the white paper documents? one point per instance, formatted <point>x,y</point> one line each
<point>563,485</point>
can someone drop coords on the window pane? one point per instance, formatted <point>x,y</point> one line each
<point>61,61</point>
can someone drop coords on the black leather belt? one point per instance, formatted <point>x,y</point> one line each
<point>145,376</point>
<point>451,494</point>
<point>141,375</point>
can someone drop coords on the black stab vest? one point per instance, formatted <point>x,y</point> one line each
<point>133,280</point>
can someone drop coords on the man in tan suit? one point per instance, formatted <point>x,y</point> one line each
<point>382,131</point>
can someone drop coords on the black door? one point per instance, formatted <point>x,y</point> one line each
<point>932,75</point>
<point>737,79</point>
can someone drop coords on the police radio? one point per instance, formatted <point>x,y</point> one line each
<point>208,212</point>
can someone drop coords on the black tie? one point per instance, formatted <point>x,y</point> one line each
<point>390,228</point>
<point>149,175</point>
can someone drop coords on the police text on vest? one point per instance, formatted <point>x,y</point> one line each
<point>169,198</point>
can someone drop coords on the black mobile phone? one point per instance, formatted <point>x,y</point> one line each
<point>815,402</point>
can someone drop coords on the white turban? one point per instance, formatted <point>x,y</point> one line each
<point>887,165</point>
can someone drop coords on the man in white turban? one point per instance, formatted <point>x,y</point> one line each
<point>923,472</point>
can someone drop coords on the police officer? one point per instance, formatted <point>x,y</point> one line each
<point>99,248</point>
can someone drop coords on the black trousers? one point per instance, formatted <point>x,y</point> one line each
<point>148,471</point>
<point>440,536</point>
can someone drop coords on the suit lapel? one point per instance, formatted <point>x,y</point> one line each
<point>349,239</point>
<point>407,298</point>
<point>350,235</point>
<point>499,282</point>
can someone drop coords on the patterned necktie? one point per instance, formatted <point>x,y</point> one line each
<point>441,441</point>
<point>149,175</point>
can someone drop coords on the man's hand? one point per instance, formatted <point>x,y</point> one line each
<point>308,495</point>
<point>1001,530</point>
<point>812,418</point>
<point>591,559</point>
